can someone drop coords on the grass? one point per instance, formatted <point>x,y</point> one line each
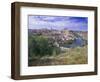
<point>76,55</point>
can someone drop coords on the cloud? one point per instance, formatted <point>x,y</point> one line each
<point>58,22</point>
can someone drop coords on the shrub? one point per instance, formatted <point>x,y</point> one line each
<point>40,46</point>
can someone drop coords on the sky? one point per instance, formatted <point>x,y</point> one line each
<point>58,22</point>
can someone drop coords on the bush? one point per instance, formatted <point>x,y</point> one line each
<point>40,46</point>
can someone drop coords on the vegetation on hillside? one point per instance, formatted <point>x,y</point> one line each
<point>43,51</point>
<point>40,46</point>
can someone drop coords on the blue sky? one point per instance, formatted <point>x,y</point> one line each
<point>58,22</point>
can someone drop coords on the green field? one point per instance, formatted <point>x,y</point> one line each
<point>71,56</point>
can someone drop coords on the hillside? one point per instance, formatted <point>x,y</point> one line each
<point>54,47</point>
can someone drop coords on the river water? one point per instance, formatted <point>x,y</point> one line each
<point>78,42</point>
